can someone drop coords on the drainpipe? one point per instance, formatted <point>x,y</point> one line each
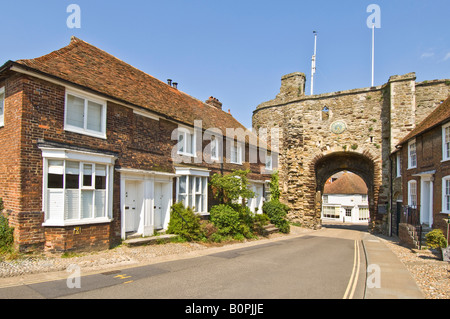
<point>390,195</point>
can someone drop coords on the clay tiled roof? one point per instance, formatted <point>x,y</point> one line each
<point>85,65</point>
<point>348,183</point>
<point>439,116</point>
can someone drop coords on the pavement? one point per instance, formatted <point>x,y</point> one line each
<point>386,276</point>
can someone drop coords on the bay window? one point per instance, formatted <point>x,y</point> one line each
<point>77,187</point>
<point>85,115</point>
<point>192,191</point>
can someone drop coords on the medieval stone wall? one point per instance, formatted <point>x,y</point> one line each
<point>366,122</point>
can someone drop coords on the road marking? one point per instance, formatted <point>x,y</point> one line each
<point>122,276</point>
<point>354,277</point>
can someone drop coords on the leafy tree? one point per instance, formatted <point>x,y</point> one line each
<point>230,188</point>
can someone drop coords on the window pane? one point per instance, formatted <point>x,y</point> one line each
<point>72,175</point>
<point>100,203</point>
<point>94,118</point>
<point>180,142</point>
<point>55,174</point>
<point>54,181</point>
<point>214,143</point>
<point>86,203</point>
<point>72,204</point>
<point>87,175</point>
<point>75,111</point>
<point>182,186</point>
<point>189,143</point>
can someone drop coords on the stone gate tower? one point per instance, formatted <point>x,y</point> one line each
<point>354,130</point>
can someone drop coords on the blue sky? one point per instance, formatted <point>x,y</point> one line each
<point>237,51</point>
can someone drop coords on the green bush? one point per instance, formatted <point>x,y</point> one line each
<point>6,235</point>
<point>225,219</point>
<point>436,239</point>
<point>185,223</point>
<point>277,212</point>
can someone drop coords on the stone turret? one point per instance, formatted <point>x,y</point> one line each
<point>292,86</point>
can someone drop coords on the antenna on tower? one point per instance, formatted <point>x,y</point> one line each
<point>313,65</point>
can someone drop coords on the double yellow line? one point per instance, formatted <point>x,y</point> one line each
<point>355,272</point>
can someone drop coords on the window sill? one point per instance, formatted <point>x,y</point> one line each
<point>445,160</point>
<point>78,130</point>
<point>63,223</point>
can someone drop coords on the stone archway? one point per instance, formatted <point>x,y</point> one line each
<point>360,164</point>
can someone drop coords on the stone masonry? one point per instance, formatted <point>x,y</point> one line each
<point>354,130</point>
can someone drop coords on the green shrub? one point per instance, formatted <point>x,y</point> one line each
<point>277,212</point>
<point>226,219</point>
<point>6,236</point>
<point>185,223</point>
<point>436,239</point>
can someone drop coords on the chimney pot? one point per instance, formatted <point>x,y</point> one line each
<point>214,102</point>
<point>175,85</point>
<point>169,81</point>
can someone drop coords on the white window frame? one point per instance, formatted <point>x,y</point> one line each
<point>215,143</point>
<point>445,194</point>
<point>411,163</point>
<point>268,164</point>
<point>83,158</point>
<point>411,201</point>
<point>191,193</point>
<point>188,137</point>
<point>2,107</point>
<point>399,165</point>
<point>84,130</point>
<point>445,144</point>
<point>236,148</point>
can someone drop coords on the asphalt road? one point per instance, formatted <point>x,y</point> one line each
<point>326,264</point>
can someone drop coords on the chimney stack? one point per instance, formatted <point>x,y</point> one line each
<point>214,102</point>
<point>175,85</point>
<point>169,82</point>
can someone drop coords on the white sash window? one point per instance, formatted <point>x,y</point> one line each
<point>85,115</point>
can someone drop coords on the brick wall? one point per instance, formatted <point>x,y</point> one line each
<point>429,157</point>
<point>34,111</point>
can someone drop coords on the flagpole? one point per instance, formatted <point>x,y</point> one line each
<point>373,53</point>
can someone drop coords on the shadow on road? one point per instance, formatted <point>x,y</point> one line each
<point>349,226</point>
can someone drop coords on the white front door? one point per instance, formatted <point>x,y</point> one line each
<point>132,213</point>
<point>426,203</point>
<point>259,199</point>
<point>159,206</point>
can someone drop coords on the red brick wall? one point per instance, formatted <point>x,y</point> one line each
<point>429,157</point>
<point>34,110</point>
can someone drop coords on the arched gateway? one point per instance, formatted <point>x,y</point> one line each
<point>354,130</point>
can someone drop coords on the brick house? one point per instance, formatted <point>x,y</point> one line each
<point>94,149</point>
<point>423,163</point>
